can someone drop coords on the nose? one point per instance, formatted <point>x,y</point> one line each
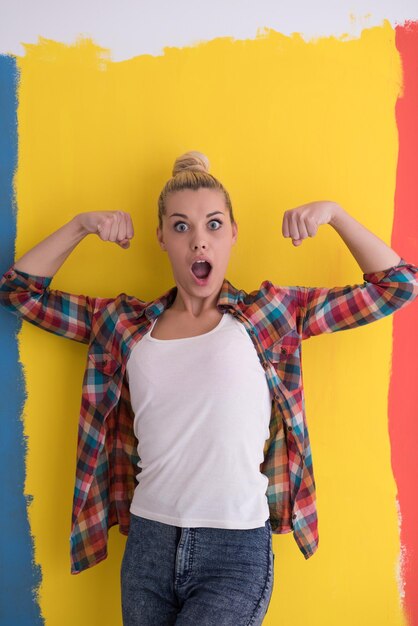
<point>199,245</point>
<point>199,242</point>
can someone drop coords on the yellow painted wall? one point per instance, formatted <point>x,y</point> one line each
<point>283,122</point>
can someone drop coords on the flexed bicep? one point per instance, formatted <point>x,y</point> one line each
<point>29,297</point>
<point>327,310</point>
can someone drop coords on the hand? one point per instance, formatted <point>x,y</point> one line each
<point>304,220</point>
<point>109,226</point>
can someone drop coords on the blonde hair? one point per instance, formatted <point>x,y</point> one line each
<point>191,171</point>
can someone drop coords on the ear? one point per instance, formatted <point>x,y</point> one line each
<point>160,237</point>
<point>234,232</point>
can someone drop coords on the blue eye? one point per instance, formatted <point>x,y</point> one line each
<point>218,221</point>
<point>175,227</point>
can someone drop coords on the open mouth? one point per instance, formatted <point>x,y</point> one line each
<point>201,269</point>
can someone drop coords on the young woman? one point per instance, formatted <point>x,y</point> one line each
<point>205,382</point>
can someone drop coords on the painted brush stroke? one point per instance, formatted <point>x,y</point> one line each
<point>19,574</point>
<point>403,397</point>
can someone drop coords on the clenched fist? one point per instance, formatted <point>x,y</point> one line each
<point>109,226</point>
<point>304,221</point>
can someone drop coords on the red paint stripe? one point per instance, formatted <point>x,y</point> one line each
<point>403,391</point>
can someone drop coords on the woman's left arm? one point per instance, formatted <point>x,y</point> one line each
<point>370,252</point>
<point>390,283</point>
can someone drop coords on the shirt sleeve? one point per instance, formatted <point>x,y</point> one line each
<point>29,297</point>
<point>328,310</point>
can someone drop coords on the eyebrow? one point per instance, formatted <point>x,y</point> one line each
<point>186,216</point>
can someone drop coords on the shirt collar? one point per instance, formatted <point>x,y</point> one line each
<point>228,298</point>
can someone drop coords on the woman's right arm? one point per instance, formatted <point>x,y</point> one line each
<point>24,287</point>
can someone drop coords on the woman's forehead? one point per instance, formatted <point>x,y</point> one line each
<point>195,200</point>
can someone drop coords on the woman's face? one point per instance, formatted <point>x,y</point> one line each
<point>197,223</point>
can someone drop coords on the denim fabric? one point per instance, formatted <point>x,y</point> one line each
<point>196,576</point>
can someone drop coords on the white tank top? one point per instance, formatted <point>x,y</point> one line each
<point>202,410</point>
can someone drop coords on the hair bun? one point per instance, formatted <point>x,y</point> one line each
<point>192,160</point>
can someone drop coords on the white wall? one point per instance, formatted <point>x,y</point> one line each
<point>132,27</point>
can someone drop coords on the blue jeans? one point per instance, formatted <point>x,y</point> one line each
<point>196,576</point>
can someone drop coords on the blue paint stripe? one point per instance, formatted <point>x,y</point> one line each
<point>19,576</point>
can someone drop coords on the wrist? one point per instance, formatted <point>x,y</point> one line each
<point>79,229</point>
<point>337,212</point>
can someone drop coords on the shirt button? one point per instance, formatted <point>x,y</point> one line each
<point>294,516</point>
<point>251,331</point>
<point>289,428</point>
<point>283,350</point>
<point>265,364</point>
<point>9,275</point>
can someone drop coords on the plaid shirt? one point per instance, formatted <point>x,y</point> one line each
<point>276,318</point>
